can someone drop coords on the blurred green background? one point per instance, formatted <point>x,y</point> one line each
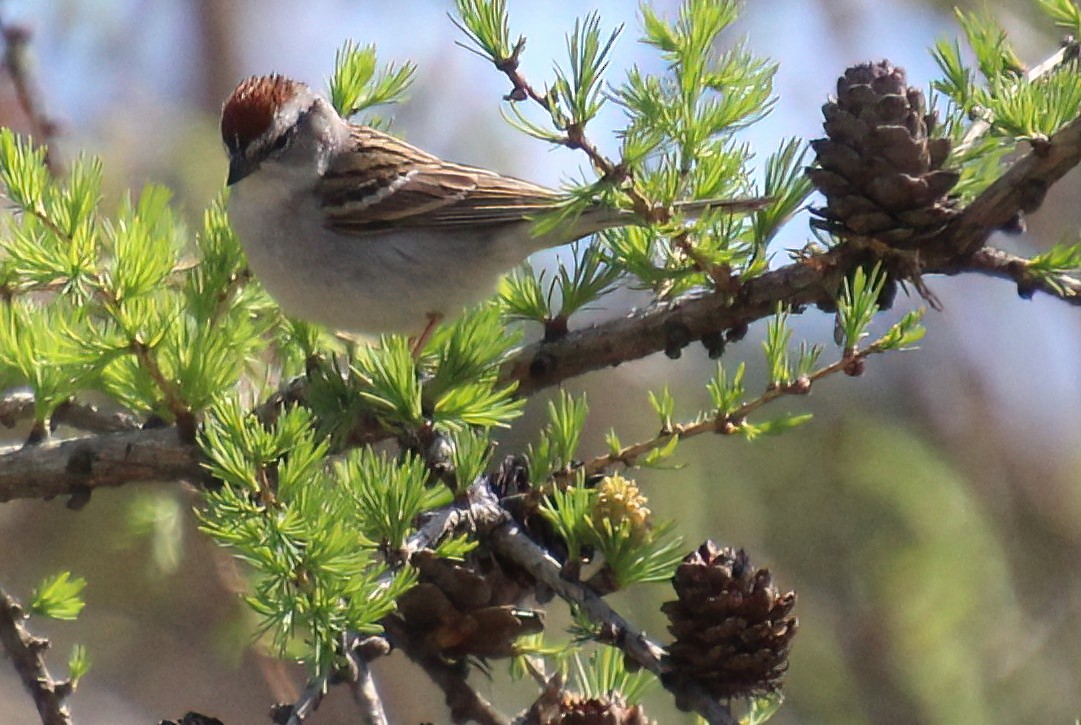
<point>929,518</point>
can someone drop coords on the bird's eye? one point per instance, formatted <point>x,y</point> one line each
<point>281,143</point>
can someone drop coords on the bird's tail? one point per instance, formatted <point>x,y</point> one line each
<point>694,209</point>
<point>605,218</point>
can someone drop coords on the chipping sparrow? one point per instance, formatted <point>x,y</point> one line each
<point>352,228</point>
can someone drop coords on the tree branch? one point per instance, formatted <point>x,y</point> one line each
<point>727,423</point>
<point>118,458</point>
<point>367,696</point>
<point>308,703</point>
<point>997,263</point>
<point>465,703</point>
<point>18,405</point>
<point>76,467</point>
<point>812,280</point>
<point>357,652</point>
<point>1021,189</point>
<point>26,653</point>
<point>507,538</point>
<point>1066,53</point>
<point>671,325</point>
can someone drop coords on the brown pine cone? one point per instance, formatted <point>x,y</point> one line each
<point>458,611</point>
<point>556,706</point>
<point>733,629</point>
<point>879,168</point>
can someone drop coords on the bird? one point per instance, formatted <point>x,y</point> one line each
<point>352,228</point>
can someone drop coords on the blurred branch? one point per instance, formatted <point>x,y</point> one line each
<point>18,65</point>
<point>217,27</point>
<point>78,466</point>
<point>26,653</point>
<point>18,405</point>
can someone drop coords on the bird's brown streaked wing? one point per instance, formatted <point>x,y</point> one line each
<point>387,183</point>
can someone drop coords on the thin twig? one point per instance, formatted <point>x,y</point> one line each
<point>27,654</point>
<point>170,391</point>
<point>574,138</point>
<point>728,423</point>
<point>997,263</point>
<point>359,652</point>
<point>511,542</point>
<point>367,696</point>
<point>436,527</point>
<point>1066,53</point>
<point>303,707</point>
<point>465,703</point>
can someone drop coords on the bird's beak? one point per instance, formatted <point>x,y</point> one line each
<point>239,167</point>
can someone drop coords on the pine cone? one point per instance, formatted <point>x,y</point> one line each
<point>193,718</point>
<point>732,627</point>
<point>555,706</point>
<point>610,710</point>
<point>881,172</point>
<point>456,611</point>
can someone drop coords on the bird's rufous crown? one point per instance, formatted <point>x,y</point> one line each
<point>250,109</point>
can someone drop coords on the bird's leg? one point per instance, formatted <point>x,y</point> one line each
<point>434,318</point>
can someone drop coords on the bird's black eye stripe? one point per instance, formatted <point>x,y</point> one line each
<point>282,142</point>
<point>286,138</point>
